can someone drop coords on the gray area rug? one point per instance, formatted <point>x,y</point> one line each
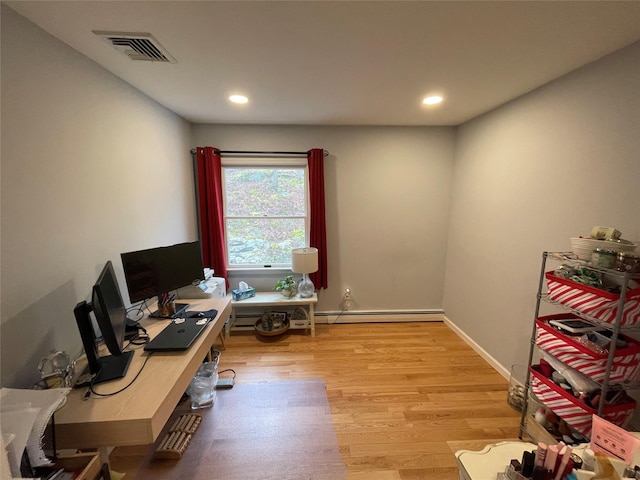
<point>272,430</point>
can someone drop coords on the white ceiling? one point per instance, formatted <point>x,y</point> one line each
<point>343,62</point>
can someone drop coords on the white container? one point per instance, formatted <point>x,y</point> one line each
<point>583,247</point>
<point>214,287</point>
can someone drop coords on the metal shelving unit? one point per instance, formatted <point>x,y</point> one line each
<point>615,326</point>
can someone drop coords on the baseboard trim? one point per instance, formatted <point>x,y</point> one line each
<point>380,316</point>
<point>497,366</point>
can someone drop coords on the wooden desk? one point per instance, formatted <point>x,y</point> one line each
<point>276,299</point>
<point>137,415</point>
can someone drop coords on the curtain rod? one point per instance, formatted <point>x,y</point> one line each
<point>251,152</point>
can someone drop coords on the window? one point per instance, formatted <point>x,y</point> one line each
<point>265,210</point>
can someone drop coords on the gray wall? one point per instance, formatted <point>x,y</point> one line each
<point>527,177</point>
<point>80,145</point>
<point>90,168</point>
<point>387,200</point>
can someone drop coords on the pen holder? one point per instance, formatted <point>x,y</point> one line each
<point>166,309</point>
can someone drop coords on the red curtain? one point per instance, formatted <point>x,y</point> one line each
<point>211,212</point>
<point>318,231</point>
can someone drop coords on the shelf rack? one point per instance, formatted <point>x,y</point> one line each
<point>615,327</point>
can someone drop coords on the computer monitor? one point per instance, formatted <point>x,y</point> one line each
<point>158,271</point>
<point>110,314</point>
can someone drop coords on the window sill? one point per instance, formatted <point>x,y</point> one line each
<point>257,272</point>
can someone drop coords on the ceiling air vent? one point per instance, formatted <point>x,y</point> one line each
<point>137,46</point>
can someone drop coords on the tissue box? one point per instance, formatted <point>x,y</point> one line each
<point>243,294</point>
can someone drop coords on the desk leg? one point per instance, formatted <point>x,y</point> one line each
<point>230,323</point>
<point>104,453</point>
<point>312,319</point>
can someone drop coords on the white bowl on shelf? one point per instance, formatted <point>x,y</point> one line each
<point>583,247</point>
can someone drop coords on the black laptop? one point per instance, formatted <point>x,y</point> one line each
<point>178,335</point>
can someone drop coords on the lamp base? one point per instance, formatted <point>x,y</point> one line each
<point>306,288</point>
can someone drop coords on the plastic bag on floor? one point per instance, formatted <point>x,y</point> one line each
<point>202,389</point>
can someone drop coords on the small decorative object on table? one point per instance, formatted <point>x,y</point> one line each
<point>57,370</point>
<point>272,323</point>
<point>287,286</point>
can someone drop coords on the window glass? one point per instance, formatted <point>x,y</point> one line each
<point>265,214</point>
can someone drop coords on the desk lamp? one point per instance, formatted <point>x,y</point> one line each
<point>305,261</point>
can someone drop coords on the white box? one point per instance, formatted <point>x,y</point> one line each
<point>214,287</point>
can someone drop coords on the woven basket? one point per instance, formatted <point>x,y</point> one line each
<point>272,324</point>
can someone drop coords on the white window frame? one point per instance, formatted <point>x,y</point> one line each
<point>251,162</point>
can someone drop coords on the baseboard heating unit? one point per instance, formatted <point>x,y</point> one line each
<point>247,321</point>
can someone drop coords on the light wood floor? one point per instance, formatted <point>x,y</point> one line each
<point>404,396</point>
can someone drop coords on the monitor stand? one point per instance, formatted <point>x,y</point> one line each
<point>112,367</point>
<point>180,309</point>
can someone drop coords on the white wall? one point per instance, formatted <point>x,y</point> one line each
<point>90,168</point>
<point>387,201</point>
<point>528,176</point>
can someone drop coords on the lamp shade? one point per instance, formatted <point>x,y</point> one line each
<point>304,260</point>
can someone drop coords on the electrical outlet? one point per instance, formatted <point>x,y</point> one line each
<point>346,299</point>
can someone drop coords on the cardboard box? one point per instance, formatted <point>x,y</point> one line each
<point>243,294</point>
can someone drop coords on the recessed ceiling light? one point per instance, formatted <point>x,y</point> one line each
<point>238,99</point>
<point>432,100</point>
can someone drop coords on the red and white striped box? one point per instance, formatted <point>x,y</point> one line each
<point>572,410</point>
<point>567,349</point>
<point>594,302</point>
